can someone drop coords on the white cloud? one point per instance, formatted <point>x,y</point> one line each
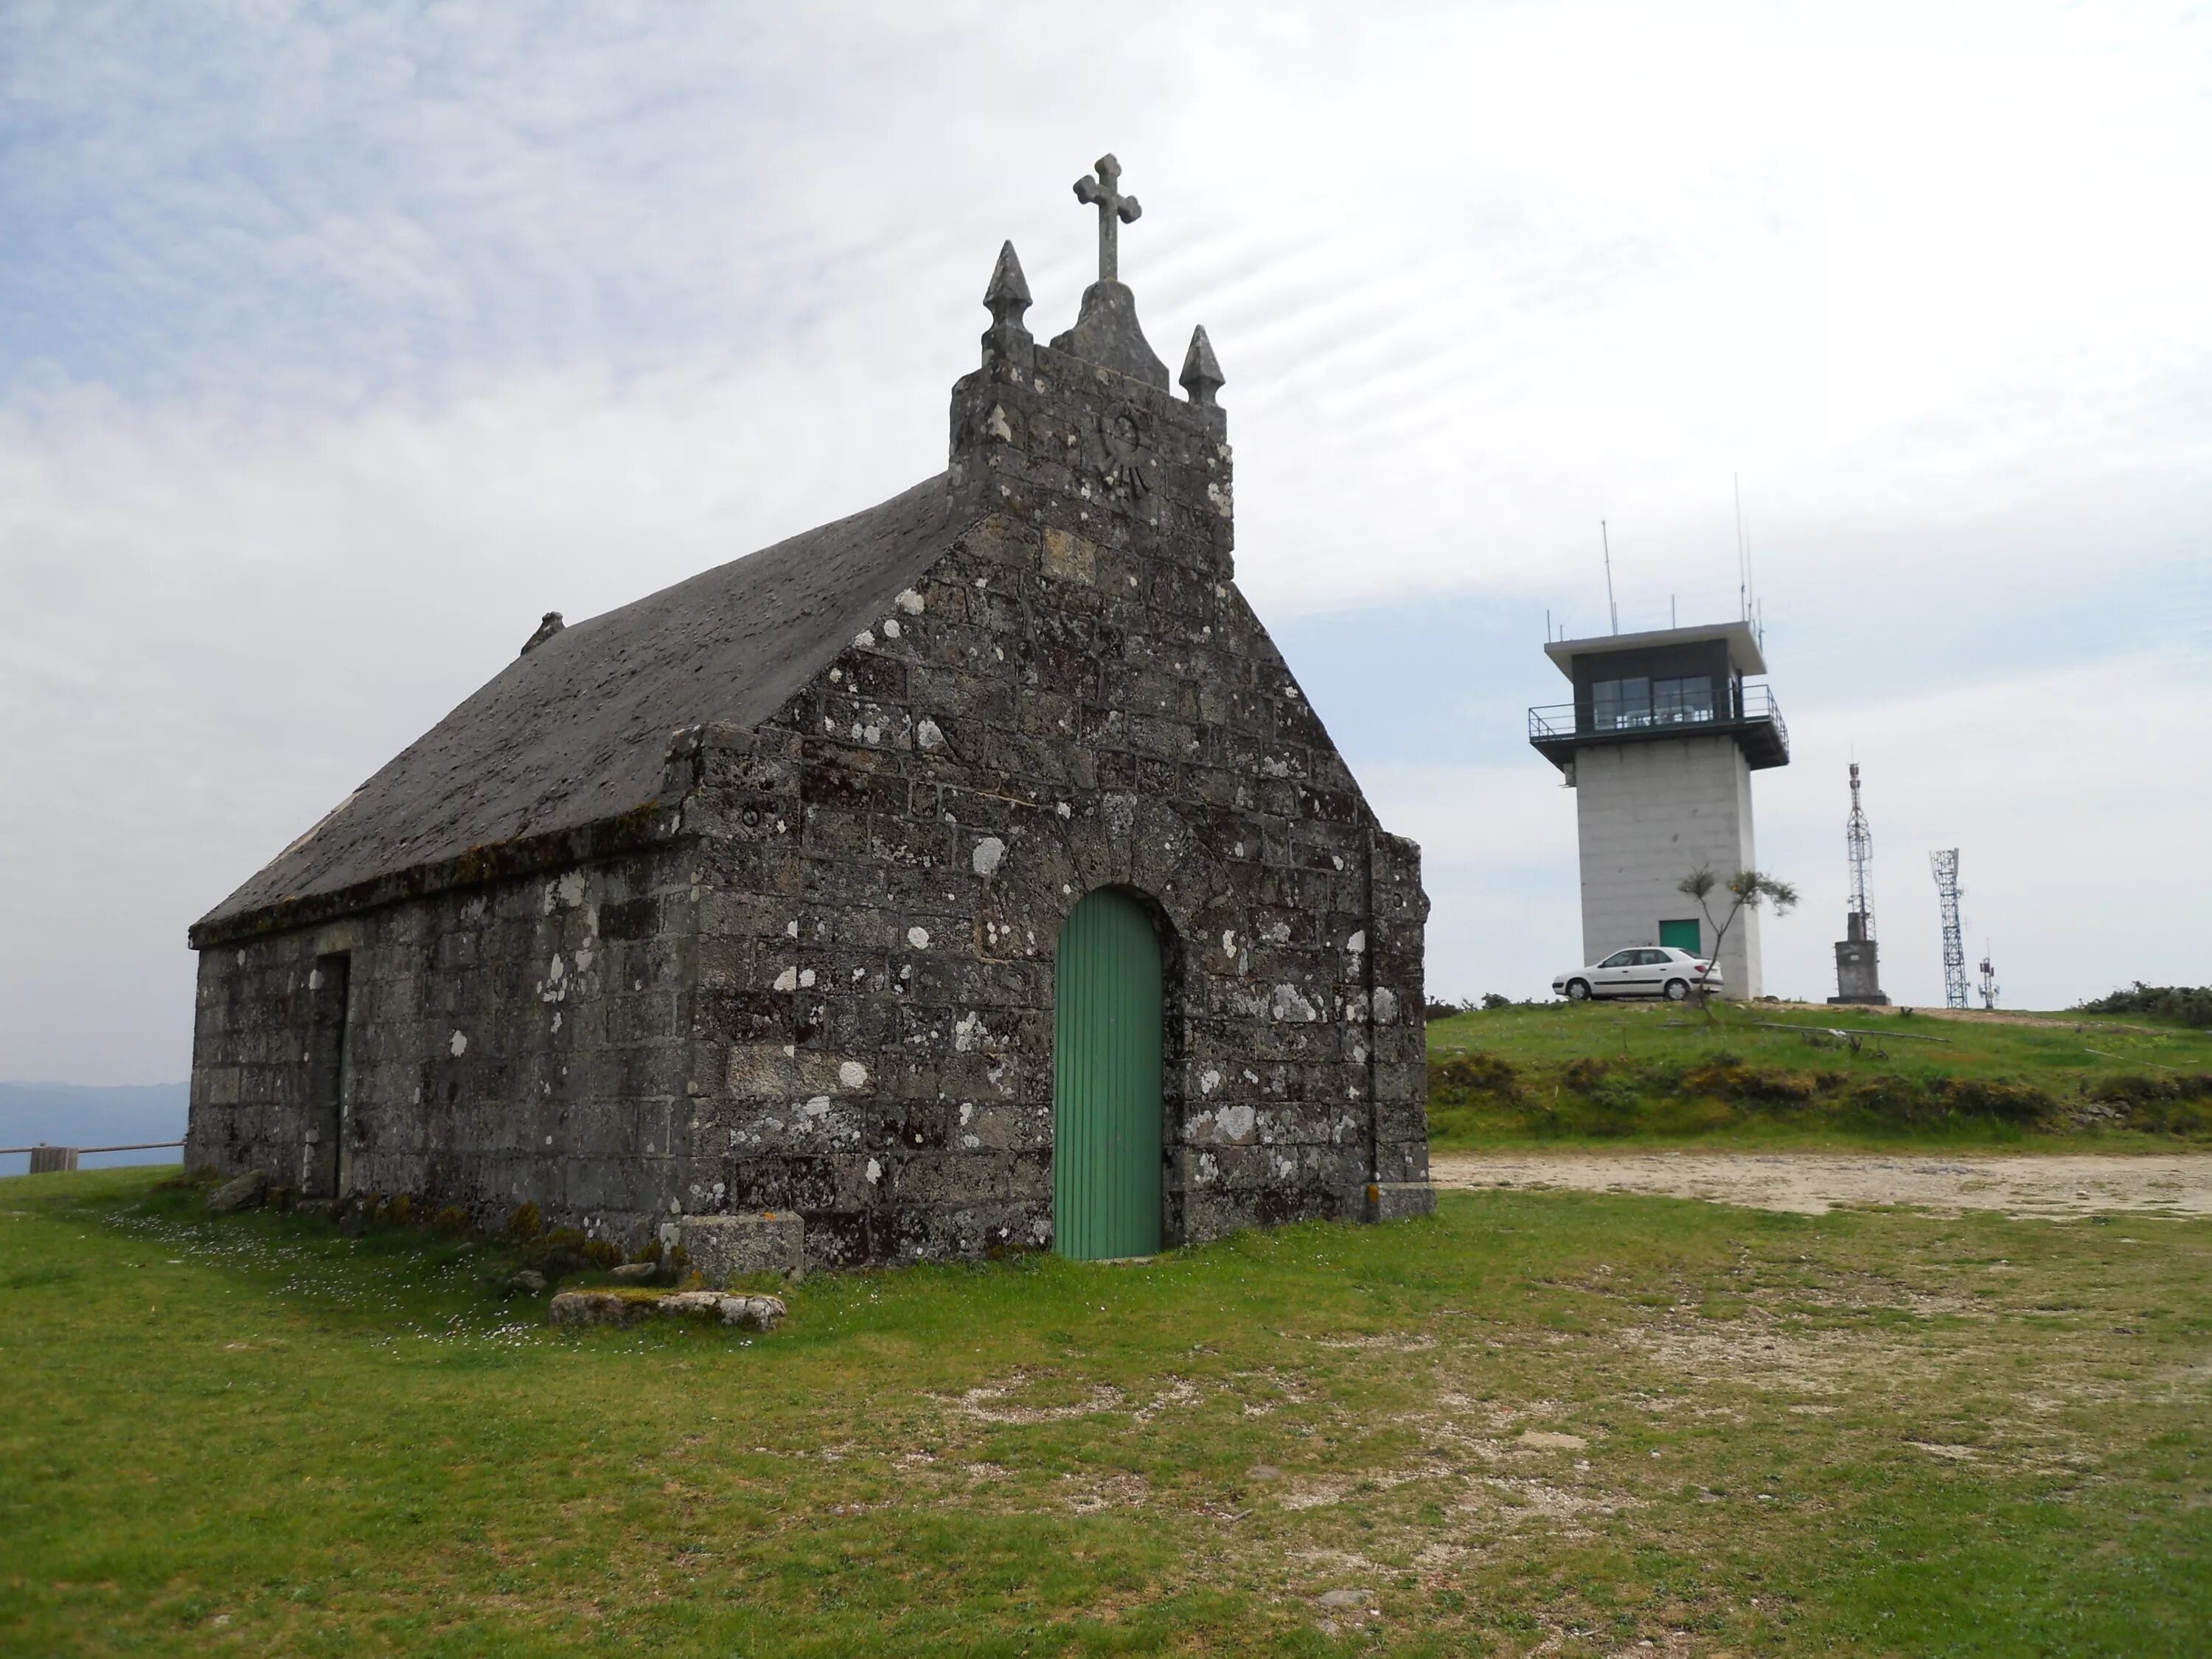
<point>335,361</point>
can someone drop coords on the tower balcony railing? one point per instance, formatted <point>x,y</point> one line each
<point>1753,718</point>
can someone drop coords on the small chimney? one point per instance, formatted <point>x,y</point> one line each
<point>548,626</point>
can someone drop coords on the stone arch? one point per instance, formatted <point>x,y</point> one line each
<point>1144,847</point>
<point>1111,1062</point>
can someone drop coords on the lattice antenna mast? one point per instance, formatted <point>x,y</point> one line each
<point>1858,842</point>
<point>1946,866</point>
<point>1990,988</point>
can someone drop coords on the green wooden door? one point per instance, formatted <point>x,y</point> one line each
<point>1106,1082</point>
<point>1683,935</point>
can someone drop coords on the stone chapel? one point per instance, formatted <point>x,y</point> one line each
<point>965,875</point>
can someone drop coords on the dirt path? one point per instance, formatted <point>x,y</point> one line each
<point>1812,1183</point>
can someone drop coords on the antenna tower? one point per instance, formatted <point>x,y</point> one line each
<point>1989,988</point>
<point>1858,842</point>
<point>1858,959</point>
<point>1946,867</point>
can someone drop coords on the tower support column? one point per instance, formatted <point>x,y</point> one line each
<point>1648,815</point>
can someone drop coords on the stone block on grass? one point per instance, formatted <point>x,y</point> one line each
<point>598,1308</point>
<point>757,1313</point>
<point>626,1307</point>
<point>244,1192</point>
<point>722,1248</point>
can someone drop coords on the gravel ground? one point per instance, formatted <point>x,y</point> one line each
<point>1812,1183</point>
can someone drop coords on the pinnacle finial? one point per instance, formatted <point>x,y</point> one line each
<point>1201,375</point>
<point>1008,295</point>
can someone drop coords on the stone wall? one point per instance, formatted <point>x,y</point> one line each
<point>524,1040</point>
<point>1076,696</point>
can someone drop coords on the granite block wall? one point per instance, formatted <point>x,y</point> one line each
<point>523,1040</point>
<point>1076,695</point>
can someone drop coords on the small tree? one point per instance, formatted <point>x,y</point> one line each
<point>1746,890</point>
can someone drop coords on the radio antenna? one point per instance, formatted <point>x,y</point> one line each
<point>1607,540</point>
<point>1742,554</point>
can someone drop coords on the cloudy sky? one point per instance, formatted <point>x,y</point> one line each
<point>339,341</point>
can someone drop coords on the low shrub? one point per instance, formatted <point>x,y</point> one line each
<point>2189,1004</point>
<point>2136,1090</point>
<point>2178,1104</point>
<point>1453,1081</point>
<point>2172,1117</point>
<point>1893,1099</point>
<point>2007,1102</point>
<point>1617,1101</point>
<point>1584,1075</point>
<point>1913,1103</point>
<point>1758,1085</point>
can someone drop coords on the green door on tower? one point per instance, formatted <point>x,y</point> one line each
<point>1106,1081</point>
<point>1683,935</point>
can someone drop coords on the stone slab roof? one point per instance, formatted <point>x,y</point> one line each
<point>576,731</point>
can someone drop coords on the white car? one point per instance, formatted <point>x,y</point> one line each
<point>1646,970</point>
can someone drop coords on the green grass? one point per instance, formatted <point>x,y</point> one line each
<point>1869,1432</point>
<point>1649,1073</point>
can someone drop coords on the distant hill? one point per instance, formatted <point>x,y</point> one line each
<point>76,1115</point>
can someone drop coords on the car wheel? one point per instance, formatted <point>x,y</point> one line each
<point>1677,990</point>
<point>1578,990</point>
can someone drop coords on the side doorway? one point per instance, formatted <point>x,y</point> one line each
<point>323,1160</point>
<point>1106,1100</point>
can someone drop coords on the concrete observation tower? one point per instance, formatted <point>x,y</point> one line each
<point>1659,745</point>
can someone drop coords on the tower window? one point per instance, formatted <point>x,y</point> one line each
<point>1688,699</point>
<point>1640,702</point>
<point>1621,703</point>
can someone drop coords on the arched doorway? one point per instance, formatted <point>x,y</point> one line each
<point>1106,1080</point>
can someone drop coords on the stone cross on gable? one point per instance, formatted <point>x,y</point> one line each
<point>1112,204</point>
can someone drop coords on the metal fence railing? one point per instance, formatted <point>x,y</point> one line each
<point>52,1160</point>
<point>1553,722</point>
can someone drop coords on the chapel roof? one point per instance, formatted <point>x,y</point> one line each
<point>575,730</point>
